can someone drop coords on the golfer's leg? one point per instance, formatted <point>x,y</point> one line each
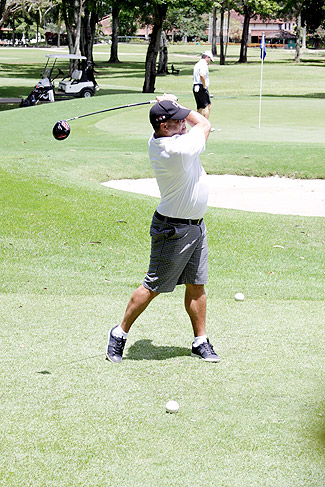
<point>195,305</point>
<point>137,304</point>
<point>206,111</point>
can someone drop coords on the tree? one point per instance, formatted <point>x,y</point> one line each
<point>313,14</point>
<point>294,8</point>
<point>223,6</point>
<point>71,12</point>
<point>159,10</point>
<point>116,7</point>
<point>27,14</point>
<point>306,12</point>
<point>37,10</point>
<point>171,22</point>
<point>187,22</point>
<point>214,31</point>
<point>123,13</point>
<point>8,8</point>
<point>89,20</point>
<point>163,54</point>
<point>317,37</point>
<point>159,14</point>
<point>128,21</point>
<point>80,18</point>
<point>192,22</point>
<point>298,36</point>
<point>250,9</point>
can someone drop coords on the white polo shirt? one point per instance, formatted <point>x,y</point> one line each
<point>180,176</point>
<point>201,67</point>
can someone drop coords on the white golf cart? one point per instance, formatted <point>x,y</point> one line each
<point>81,83</point>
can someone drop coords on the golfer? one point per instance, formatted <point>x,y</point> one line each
<point>201,84</point>
<point>179,253</point>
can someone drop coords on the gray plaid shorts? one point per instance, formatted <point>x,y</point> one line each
<point>179,255</point>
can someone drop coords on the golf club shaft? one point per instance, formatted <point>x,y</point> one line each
<point>110,109</point>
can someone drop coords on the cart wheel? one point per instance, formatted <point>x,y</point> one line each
<point>86,93</point>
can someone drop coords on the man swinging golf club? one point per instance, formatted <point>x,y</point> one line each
<point>179,251</point>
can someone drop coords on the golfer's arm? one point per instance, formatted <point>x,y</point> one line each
<point>202,77</point>
<point>196,119</point>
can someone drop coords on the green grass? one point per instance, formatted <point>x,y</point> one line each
<point>292,122</point>
<point>72,251</point>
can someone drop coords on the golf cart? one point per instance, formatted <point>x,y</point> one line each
<point>81,83</point>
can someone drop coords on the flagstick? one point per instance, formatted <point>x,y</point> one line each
<point>259,118</point>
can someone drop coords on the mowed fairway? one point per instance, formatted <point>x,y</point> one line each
<point>72,251</point>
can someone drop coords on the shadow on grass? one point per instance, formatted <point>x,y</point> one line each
<point>102,69</point>
<point>145,350</point>
<point>24,91</point>
<point>64,364</point>
<point>15,91</point>
<point>306,95</point>
<point>313,62</point>
<point>33,71</point>
<point>8,106</point>
<point>117,91</point>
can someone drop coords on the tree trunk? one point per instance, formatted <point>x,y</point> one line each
<point>88,27</point>
<point>2,9</point>
<point>244,39</point>
<point>5,11</point>
<point>115,24</point>
<point>153,48</point>
<point>214,31</point>
<point>298,34</point>
<point>37,27</point>
<point>13,31</point>
<point>163,55</point>
<point>222,18</point>
<point>59,30</point>
<point>228,27</point>
<point>72,20</point>
<point>77,16</point>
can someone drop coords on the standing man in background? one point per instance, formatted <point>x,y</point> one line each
<point>201,84</point>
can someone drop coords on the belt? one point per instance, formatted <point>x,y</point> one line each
<point>169,219</point>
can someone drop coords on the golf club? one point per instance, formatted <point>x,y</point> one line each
<point>61,129</point>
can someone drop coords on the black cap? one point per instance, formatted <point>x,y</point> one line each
<point>166,109</point>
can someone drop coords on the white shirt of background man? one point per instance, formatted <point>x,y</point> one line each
<point>201,69</point>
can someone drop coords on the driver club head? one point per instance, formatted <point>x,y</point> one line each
<point>61,130</point>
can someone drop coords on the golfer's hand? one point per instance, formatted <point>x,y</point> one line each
<point>166,96</point>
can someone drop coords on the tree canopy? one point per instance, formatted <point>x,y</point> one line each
<point>250,9</point>
<point>81,18</point>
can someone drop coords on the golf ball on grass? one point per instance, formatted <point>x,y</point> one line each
<point>239,297</point>
<point>172,407</point>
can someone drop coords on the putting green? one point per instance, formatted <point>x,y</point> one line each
<point>237,119</point>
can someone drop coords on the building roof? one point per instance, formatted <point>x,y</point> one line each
<point>282,34</point>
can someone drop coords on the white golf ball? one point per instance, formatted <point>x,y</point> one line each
<point>239,297</point>
<point>172,407</point>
